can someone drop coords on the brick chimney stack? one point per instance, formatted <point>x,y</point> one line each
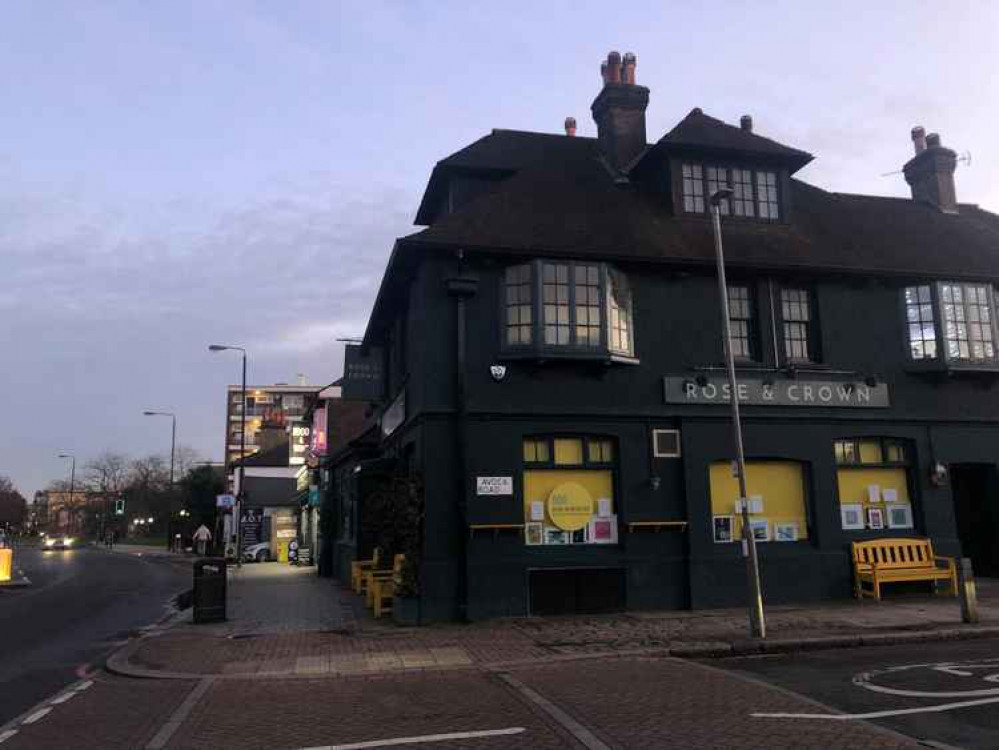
<point>619,111</point>
<point>930,173</point>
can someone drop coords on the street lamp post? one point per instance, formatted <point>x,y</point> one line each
<point>173,450</point>
<point>757,622</point>
<point>72,486</point>
<point>242,451</point>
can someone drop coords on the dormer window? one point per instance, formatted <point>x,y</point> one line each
<point>755,191</point>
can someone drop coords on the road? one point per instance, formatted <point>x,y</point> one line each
<point>81,603</point>
<point>945,693</point>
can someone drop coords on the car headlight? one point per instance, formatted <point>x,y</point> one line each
<point>49,542</point>
<point>68,540</point>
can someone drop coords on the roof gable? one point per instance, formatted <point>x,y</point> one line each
<point>703,132</point>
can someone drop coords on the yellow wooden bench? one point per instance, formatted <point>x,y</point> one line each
<point>383,591</point>
<point>372,579</point>
<point>881,561</point>
<point>358,567</point>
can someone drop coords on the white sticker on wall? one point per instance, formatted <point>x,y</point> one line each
<point>604,507</point>
<point>537,510</point>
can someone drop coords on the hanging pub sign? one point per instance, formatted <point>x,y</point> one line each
<point>760,391</point>
<point>362,373</point>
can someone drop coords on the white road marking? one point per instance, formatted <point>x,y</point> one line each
<point>881,714</point>
<point>4,736</point>
<point>421,739</point>
<point>83,685</point>
<point>62,698</point>
<point>948,669</point>
<point>36,716</point>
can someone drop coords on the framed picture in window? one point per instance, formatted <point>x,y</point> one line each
<point>873,493</point>
<point>899,516</point>
<point>875,518</point>
<point>761,529</point>
<point>556,536</point>
<point>723,529</point>
<point>889,495</point>
<point>786,531</point>
<point>534,533</point>
<point>852,516</point>
<point>579,536</point>
<point>603,530</point>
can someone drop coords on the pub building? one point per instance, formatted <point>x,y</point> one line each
<point>553,368</point>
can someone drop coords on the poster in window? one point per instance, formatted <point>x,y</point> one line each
<point>579,536</point>
<point>786,531</point>
<point>534,533</point>
<point>604,507</point>
<point>723,529</point>
<point>873,493</point>
<point>603,530</point>
<point>900,517</point>
<point>889,495</point>
<point>537,510</point>
<point>852,516</point>
<point>556,536</point>
<point>761,529</point>
<point>875,518</point>
<point>756,504</point>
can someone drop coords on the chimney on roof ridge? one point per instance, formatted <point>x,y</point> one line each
<point>746,123</point>
<point>930,173</point>
<point>570,126</point>
<point>619,111</point>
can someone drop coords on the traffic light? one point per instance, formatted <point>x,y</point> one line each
<point>119,507</point>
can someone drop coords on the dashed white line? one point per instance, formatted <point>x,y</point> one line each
<point>62,698</point>
<point>83,685</point>
<point>4,736</point>
<point>36,716</point>
<point>422,738</point>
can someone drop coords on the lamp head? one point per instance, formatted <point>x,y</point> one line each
<point>217,348</point>
<point>149,413</point>
<point>64,455</point>
<point>720,194</point>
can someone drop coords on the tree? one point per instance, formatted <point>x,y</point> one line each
<point>199,486</point>
<point>13,506</point>
<point>107,476</point>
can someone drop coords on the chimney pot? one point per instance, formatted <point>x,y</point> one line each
<point>746,123</point>
<point>933,140</point>
<point>570,126</point>
<point>919,138</point>
<point>628,68</point>
<point>603,70</point>
<point>614,67</point>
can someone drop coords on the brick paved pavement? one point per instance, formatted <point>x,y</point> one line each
<point>621,702</point>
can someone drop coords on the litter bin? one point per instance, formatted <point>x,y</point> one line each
<point>209,590</point>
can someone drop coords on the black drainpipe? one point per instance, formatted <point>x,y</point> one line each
<point>461,288</point>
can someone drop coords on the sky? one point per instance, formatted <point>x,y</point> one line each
<point>175,174</point>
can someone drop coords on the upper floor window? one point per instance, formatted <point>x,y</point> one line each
<point>754,192</point>
<point>956,319</point>
<point>798,325</point>
<point>742,321</point>
<point>568,306</point>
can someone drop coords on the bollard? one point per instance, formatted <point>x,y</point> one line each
<point>6,564</point>
<point>966,590</point>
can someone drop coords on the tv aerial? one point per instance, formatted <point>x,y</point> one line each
<point>964,158</point>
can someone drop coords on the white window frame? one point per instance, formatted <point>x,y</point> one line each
<point>655,443</point>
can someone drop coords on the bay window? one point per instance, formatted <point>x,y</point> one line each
<point>951,321</point>
<point>569,307</point>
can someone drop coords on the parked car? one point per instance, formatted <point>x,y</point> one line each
<point>59,542</point>
<point>257,552</point>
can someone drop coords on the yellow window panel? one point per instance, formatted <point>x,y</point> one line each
<point>870,452</point>
<point>781,484</point>
<point>569,452</point>
<point>853,484</point>
<point>541,447</point>
<point>538,485</point>
<point>530,451</point>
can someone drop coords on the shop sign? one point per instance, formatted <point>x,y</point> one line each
<point>225,501</point>
<point>362,373</point>
<point>251,526</point>
<point>570,506</point>
<point>758,391</point>
<point>494,485</point>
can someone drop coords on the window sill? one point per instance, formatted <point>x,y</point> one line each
<point>946,369</point>
<point>575,355</point>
